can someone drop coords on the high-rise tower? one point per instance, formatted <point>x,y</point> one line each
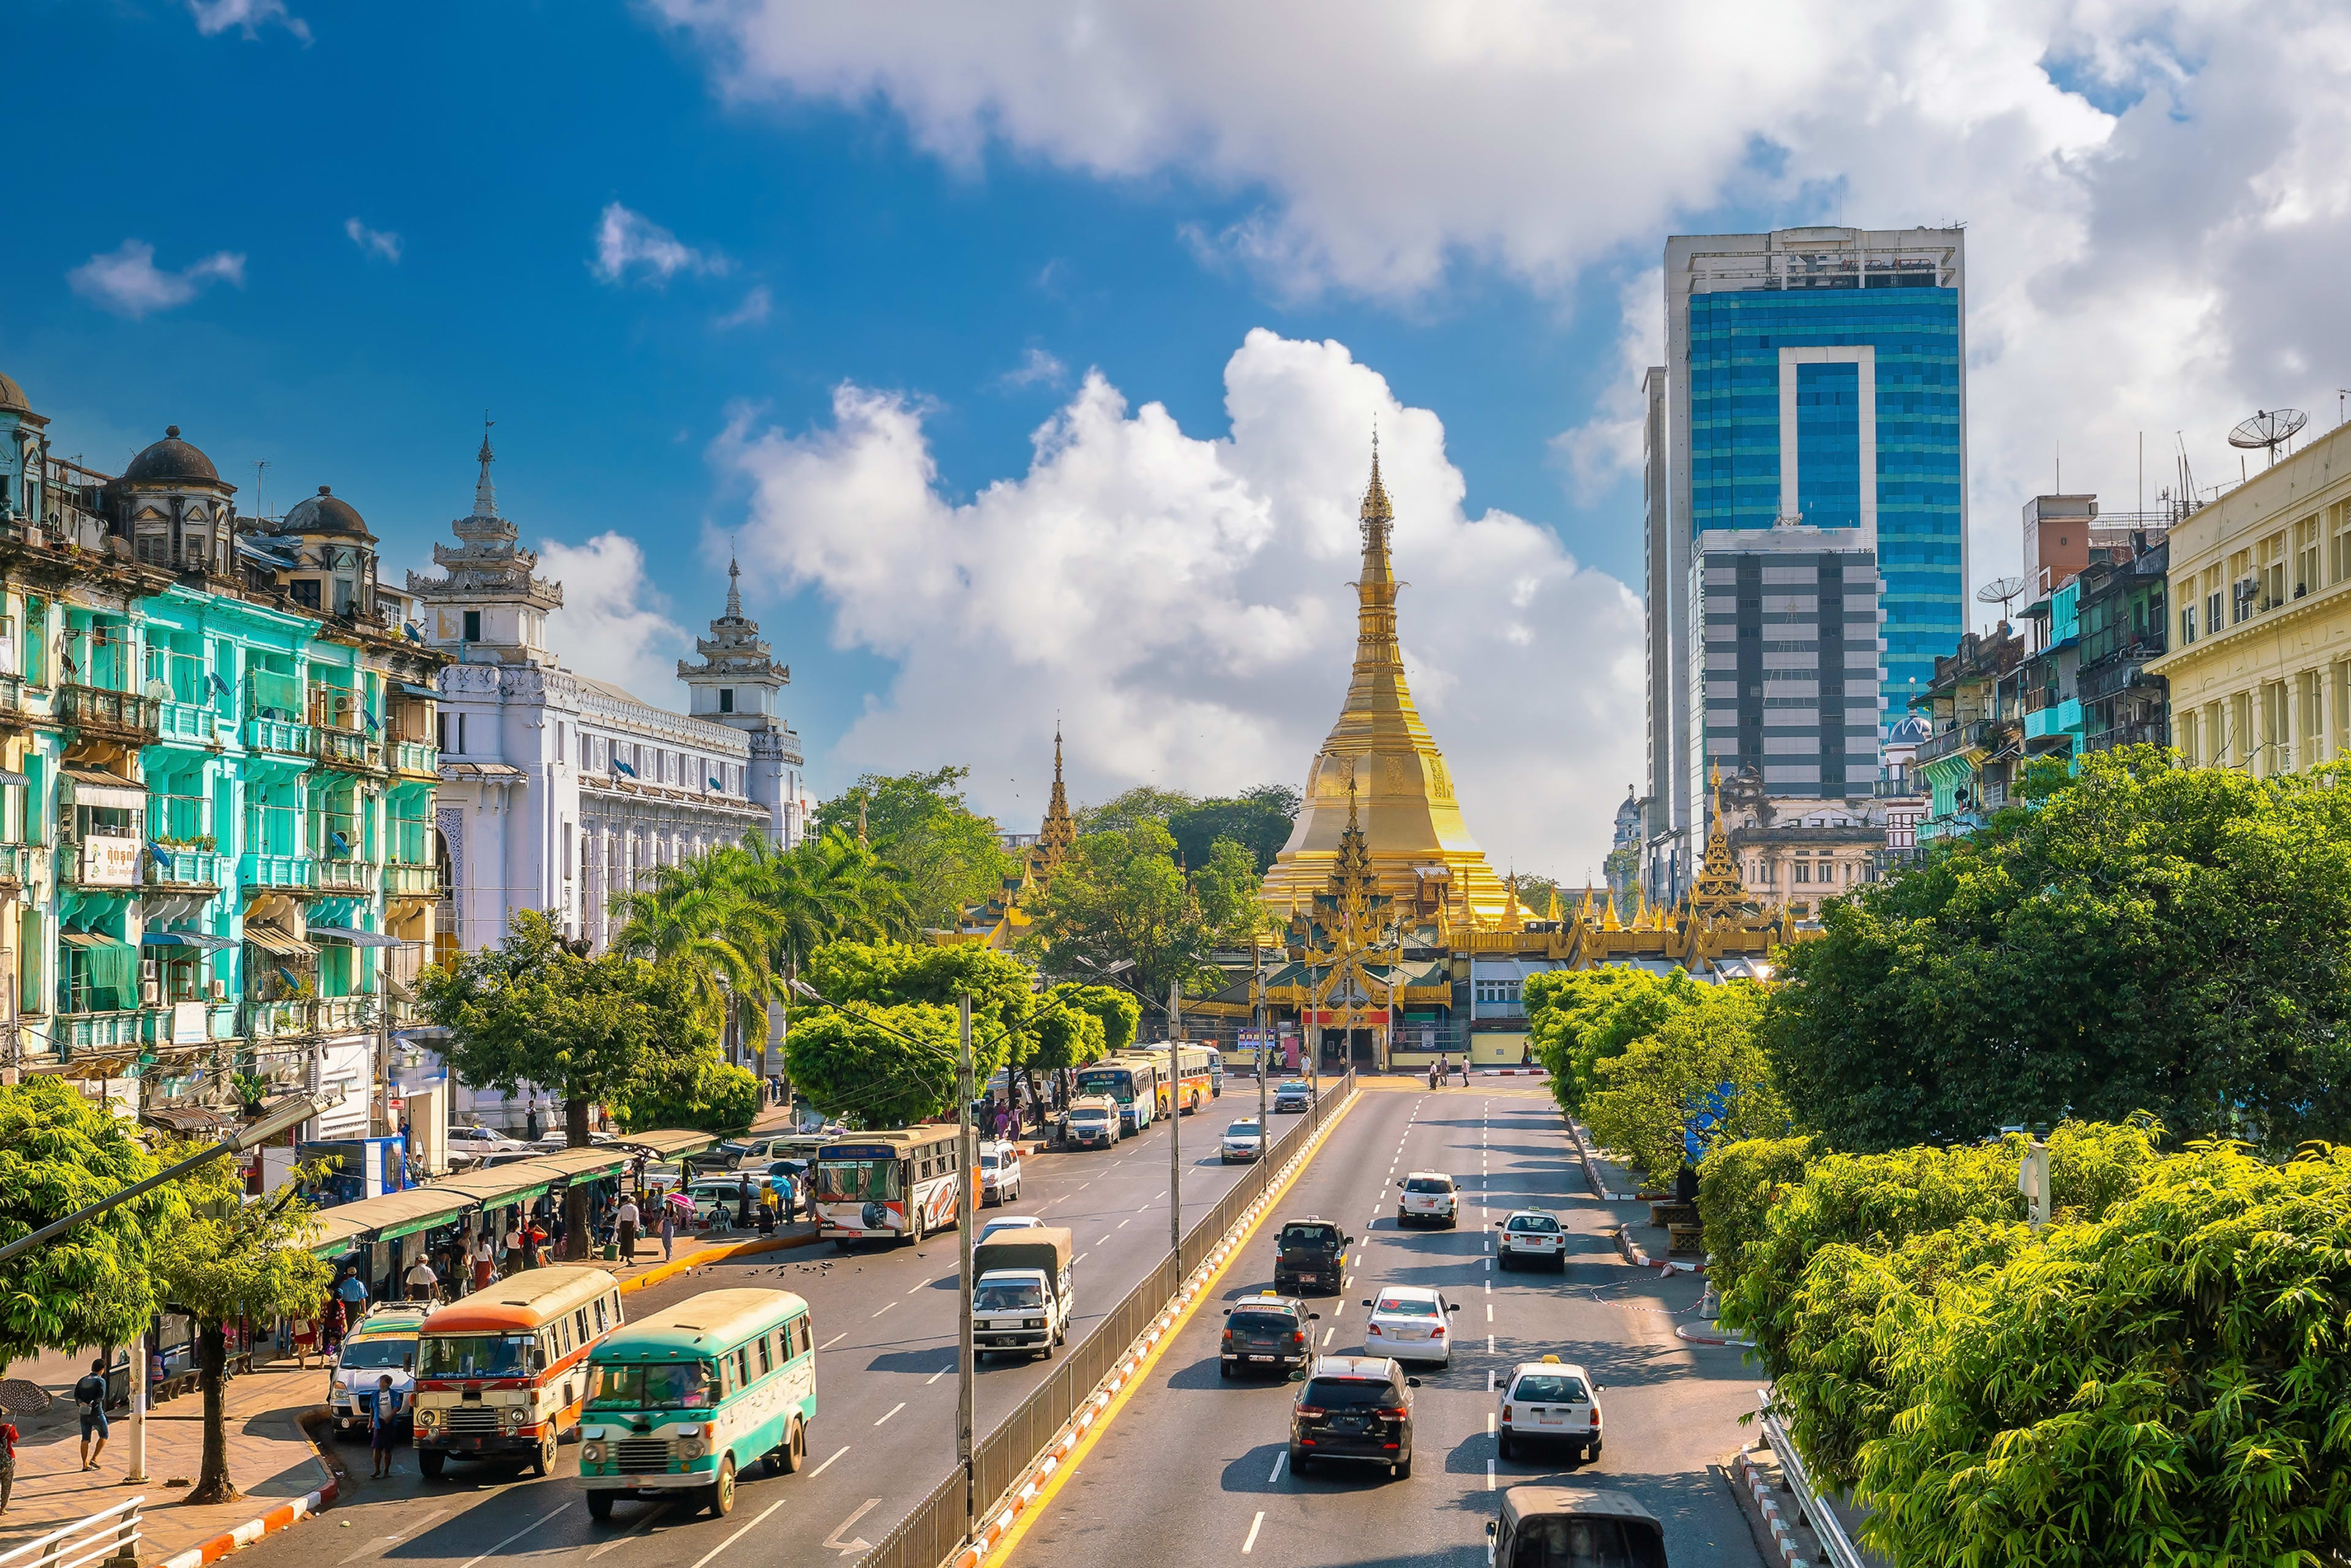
<point>1380,749</point>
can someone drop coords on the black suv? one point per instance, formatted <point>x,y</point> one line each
<point>1310,1256</point>
<point>1356,1407</point>
<point>1266,1333</point>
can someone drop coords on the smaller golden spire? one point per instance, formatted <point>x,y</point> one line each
<point>1375,499</point>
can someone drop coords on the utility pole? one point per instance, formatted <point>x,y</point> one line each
<point>1174,1120</point>
<point>967,1157</point>
<point>1264,1132</point>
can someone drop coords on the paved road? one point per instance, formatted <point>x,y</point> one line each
<point>1189,1471</point>
<point>884,1433</point>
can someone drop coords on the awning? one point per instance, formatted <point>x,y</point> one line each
<point>89,939</point>
<point>269,939</point>
<point>671,1141</point>
<point>356,937</point>
<point>209,943</point>
<point>190,1119</point>
<point>8,778</point>
<point>105,790</point>
<point>411,689</point>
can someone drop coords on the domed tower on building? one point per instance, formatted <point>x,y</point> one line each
<point>21,441</point>
<point>739,684</point>
<point>1379,750</point>
<point>334,569</point>
<point>488,609</point>
<point>172,505</point>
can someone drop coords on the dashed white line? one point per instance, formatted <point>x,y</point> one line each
<point>892,1411</point>
<point>1489,1347</point>
<point>518,1534</point>
<point>740,1534</point>
<point>1280,1459</point>
<point>1489,1475</point>
<point>828,1463</point>
<point>1082,1256</point>
<point>1489,1374</point>
<point>836,1339</point>
<point>934,1377</point>
<point>1490,1421</point>
<point>1489,1312</point>
<point>924,1286</point>
<point>885,1307</point>
<point>1254,1523</point>
<point>1327,1333</point>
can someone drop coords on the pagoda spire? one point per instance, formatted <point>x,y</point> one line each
<point>486,493</point>
<point>734,590</point>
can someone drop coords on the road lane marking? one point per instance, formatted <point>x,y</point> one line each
<point>395,1536</point>
<point>828,1463</point>
<point>1489,1475</point>
<point>1084,1256</point>
<point>518,1535</point>
<point>1489,1312</point>
<point>1280,1459</point>
<point>1083,1185</point>
<point>834,1543</point>
<point>934,1377</point>
<point>654,1512</point>
<point>1490,1373</point>
<point>740,1534</point>
<point>833,1341</point>
<point>1327,1333</point>
<point>1489,1347</point>
<point>1246,1544</point>
<point>892,1411</point>
<point>924,1286</point>
<point>1490,1418</point>
<point>885,1307</point>
<point>1123,1223</point>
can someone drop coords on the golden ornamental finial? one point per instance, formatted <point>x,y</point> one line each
<point>1375,499</point>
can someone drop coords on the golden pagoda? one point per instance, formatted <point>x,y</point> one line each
<point>997,921</point>
<point>1420,849</point>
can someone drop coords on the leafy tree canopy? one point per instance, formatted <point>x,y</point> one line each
<point>1703,1057</point>
<point>62,1151</point>
<point>2142,937</point>
<point>944,854</point>
<point>1578,1018</point>
<point>887,974</point>
<point>875,1065</point>
<point>1121,897</point>
<point>1117,1011</point>
<point>1258,819</point>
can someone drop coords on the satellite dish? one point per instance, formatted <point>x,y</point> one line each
<point>2001,591</point>
<point>2268,430</point>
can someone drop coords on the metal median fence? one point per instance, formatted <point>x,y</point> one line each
<point>933,1531</point>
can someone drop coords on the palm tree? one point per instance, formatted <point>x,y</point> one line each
<point>696,918</point>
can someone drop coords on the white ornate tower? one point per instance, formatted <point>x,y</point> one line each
<point>489,609</point>
<point>739,684</point>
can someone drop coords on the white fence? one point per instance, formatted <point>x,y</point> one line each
<point>85,1544</point>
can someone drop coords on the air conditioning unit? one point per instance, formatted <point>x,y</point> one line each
<point>218,990</point>
<point>151,993</point>
<point>151,970</point>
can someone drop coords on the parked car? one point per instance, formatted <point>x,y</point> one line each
<point>1266,1333</point>
<point>466,1139</point>
<point>1544,1525</point>
<point>1244,1140</point>
<point>1410,1322</point>
<point>724,1155</point>
<point>1355,1407</point>
<point>1548,1400</point>
<point>1531,1233</point>
<point>1428,1198</point>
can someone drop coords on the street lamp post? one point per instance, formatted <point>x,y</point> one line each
<point>1264,1130</point>
<point>967,1157</point>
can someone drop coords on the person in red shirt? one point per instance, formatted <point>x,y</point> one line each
<point>7,1463</point>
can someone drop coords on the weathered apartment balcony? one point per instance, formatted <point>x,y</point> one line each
<point>76,1032</point>
<point>285,874</point>
<point>1968,736</point>
<point>282,736</point>
<point>401,880</point>
<point>116,716</point>
<point>185,868</point>
<point>2149,732</point>
<point>348,749</point>
<point>306,1015</point>
<point>342,1015</point>
<point>346,876</point>
<point>13,713</point>
<point>189,724</point>
<point>415,760</point>
<point>16,863</point>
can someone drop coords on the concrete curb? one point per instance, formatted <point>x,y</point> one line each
<point>677,1265</point>
<point>1638,1255</point>
<point>1782,1536</point>
<point>270,1524</point>
<point>1138,1357</point>
<point>1591,1169</point>
<point>1699,1336</point>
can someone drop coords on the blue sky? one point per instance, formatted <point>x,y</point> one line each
<point>925,215</point>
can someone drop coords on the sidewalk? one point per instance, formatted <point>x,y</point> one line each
<point>270,1459</point>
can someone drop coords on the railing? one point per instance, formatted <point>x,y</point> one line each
<point>1959,737</point>
<point>1834,1543</point>
<point>347,877</point>
<point>189,722</point>
<point>2118,670</point>
<point>185,868</point>
<point>331,1015</point>
<point>102,1032</point>
<point>100,859</point>
<point>416,757</point>
<point>105,1536</point>
<point>16,863</point>
<point>279,734</point>
<point>97,708</point>
<point>289,871</point>
<point>343,748</point>
<point>2152,732</point>
<point>931,1533</point>
<point>411,881</point>
<point>266,1020</point>
<point>12,696</point>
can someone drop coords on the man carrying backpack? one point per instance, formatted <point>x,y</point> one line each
<point>89,1394</point>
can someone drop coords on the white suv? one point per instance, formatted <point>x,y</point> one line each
<point>999,1171</point>
<point>1532,1233</point>
<point>1428,1198</point>
<point>1551,1399</point>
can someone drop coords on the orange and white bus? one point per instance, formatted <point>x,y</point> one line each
<point>1190,1077</point>
<point>501,1372</point>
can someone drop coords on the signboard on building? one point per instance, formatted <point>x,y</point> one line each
<point>109,861</point>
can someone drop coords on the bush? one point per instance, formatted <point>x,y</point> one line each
<point>1649,1094</point>
<point>1736,1185</point>
<point>1576,1019</point>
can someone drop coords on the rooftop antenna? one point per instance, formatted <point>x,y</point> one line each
<point>2001,591</point>
<point>2340,394</point>
<point>2268,430</point>
<point>260,502</point>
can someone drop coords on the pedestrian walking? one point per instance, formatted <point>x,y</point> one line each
<point>668,1230</point>
<point>424,1284</point>
<point>514,1243</point>
<point>352,1292</point>
<point>485,1261</point>
<point>7,1462</point>
<point>384,1418</point>
<point>338,1315</point>
<point>305,1340</point>
<point>535,1245</point>
<point>90,1396</point>
<point>628,1218</point>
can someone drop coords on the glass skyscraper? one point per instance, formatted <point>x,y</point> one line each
<point>1806,511</point>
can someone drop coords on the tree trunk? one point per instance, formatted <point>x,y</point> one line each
<point>575,1197</point>
<point>212,1484</point>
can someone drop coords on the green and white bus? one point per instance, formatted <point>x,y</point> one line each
<point>681,1401</point>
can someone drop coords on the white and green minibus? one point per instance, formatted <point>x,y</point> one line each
<point>681,1401</point>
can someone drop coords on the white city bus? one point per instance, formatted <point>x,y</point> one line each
<point>887,1186</point>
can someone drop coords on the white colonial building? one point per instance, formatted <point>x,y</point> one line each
<point>558,791</point>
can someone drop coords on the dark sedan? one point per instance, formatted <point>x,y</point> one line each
<point>1356,1408</point>
<point>1266,1333</point>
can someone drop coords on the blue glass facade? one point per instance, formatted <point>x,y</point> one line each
<point>1735,441</point>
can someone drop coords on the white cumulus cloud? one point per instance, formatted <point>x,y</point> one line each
<point>247,16</point>
<point>127,281</point>
<point>612,625</point>
<point>1183,600</point>
<point>382,244</point>
<point>630,244</point>
<point>2157,194</point>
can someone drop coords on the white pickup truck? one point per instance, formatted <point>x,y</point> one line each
<point>1022,1295</point>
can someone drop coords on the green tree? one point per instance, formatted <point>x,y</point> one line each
<point>225,1259</point>
<point>2142,937</point>
<point>1701,1056</point>
<point>60,1152</point>
<point>1120,1014</point>
<point>690,1089</point>
<point>699,922</point>
<point>1578,1018</point>
<point>1123,811</point>
<point>1259,819</point>
<point>946,855</point>
<point>1121,897</point>
<point>1737,1185</point>
<point>875,1066</point>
